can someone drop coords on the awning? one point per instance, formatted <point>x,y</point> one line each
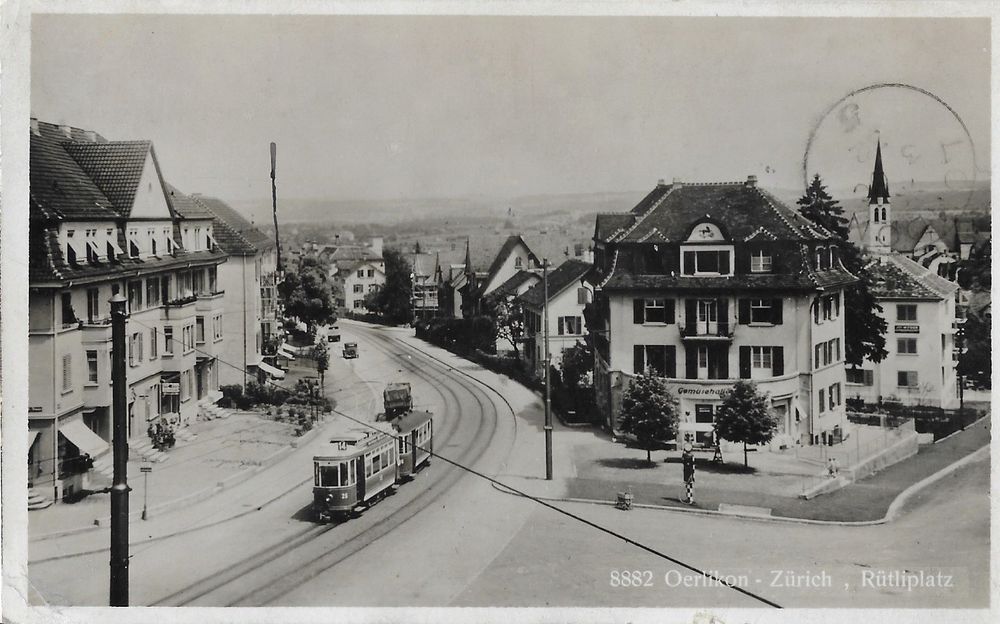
<point>284,352</point>
<point>32,436</point>
<point>114,245</point>
<point>79,249</point>
<point>86,440</point>
<point>93,247</point>
<point>134,241</point>
<point>277,373</point>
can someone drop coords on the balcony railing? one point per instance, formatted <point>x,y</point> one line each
<point>182,301</point>
<point>720,330</point>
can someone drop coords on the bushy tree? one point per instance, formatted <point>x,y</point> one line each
<point>649,412</point>
<point>975,363</point>
<point>306,294</point>
<point>865,335</point>
<point>508,319</point>
<point>577,364</point>
<point>394,301</point>
<point>745,416</point>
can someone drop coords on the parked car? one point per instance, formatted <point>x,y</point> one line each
<point>350,350</point>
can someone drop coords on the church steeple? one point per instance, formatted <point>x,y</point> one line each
<point>468,257</point>
<point>879,188</point>
<point>879,209</point>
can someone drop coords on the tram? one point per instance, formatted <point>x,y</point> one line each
<point>361,467</point>
<point>415,441</point>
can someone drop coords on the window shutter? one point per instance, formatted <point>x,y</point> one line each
<point>638,359</point>
<point>671,367</point>
<point>723,262</point>
<point>669,312</point>
<point>742,259</point>
<point>723,311</point>
<point>688,263</point>
<point>777,306</point>
<point>691,362</point>
<point>690,313</point>
<point>778,361</point>
<point>744,315</point>
<point>638,311</point>
<point>562,325</point>
<point>721,363</point>
<point>744,362</point>
<point>581,296</point>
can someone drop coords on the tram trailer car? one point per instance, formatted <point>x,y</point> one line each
<point>361,467</point>
<point>415,442</point>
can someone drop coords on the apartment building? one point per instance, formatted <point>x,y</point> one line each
<point>356,271</point>
<point>250,279</point>
<point>103,221</point>
<point>919,309</point>
<point>707,283</point>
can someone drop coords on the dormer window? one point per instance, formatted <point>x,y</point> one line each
<point>706,262</point>
<point>518,263</point>
<point>760,262</point>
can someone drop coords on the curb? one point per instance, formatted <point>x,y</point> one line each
<point>891,513</point>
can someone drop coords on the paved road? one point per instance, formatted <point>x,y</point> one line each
<point>450,538</point>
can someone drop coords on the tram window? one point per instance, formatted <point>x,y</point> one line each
<point>316,474</point>
<point>376,463</point>
<point>329,476</point>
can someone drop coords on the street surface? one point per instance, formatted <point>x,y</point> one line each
<point>449,538</point>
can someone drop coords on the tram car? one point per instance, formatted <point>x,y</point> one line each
<point>360,468</point>
<point>414,442</point>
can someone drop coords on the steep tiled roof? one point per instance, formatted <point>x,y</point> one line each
<point>514,283</point>
<point>236,235</point>
<point>565,275</point>
<point>508,247</point>
<point>59,187</point>
<point>610,224</point>
<point>185,206</point>
<point>892,282</point>
<point>115,167</point>
<point>927,278</point>
<point>669,212</point>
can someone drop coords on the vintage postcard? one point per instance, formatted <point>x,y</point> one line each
<point>361,311</point>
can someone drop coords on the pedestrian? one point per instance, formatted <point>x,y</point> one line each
<point>832,468</point>
<point>687,460</point>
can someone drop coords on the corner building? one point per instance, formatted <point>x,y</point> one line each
<point>707,283</point>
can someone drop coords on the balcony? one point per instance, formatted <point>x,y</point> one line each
<point>209,301</point>
<point>180,308</point>
<point>96,330</point>
<point>716,331</point>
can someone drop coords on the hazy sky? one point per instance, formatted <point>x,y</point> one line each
<point>386,107</point>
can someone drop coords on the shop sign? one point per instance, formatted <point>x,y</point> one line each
<point>699,390</point>
<point>907,329</point>
<point>169,389</point>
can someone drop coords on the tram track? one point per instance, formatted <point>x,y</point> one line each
<point>263,563</point>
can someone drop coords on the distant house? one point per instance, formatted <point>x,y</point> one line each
<point>505,297</point>
<point>568,296</point>
<point>462,289</point>
<point>355,271</point>
<point>423,269</point>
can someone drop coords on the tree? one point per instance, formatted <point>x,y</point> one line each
<point>975,360</point>
<point>866,329</point>
<point>744,416</point>
<point>508,319</point>
<point>819,207</point>
<point>649,412</point>
<point>306,294</point>
<point>321,355</point>
<point>394,301</point>
<point>577,365</point>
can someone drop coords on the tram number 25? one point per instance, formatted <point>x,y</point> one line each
<point>631,578</point>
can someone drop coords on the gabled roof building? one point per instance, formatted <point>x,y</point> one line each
<point>103,221</point>
<point>706,283</point>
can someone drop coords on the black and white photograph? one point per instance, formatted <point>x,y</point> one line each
<point>667,312</point>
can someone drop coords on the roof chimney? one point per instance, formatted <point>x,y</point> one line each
<point>34,127</point>
<point>661,182</point>
<point>751,181</point>
<point>66,130</point>
<point>677,182</point>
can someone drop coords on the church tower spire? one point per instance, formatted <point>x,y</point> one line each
<point>879,209</point>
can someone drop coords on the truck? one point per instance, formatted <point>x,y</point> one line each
<point>397,399</point>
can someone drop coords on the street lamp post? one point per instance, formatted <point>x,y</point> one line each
<point>119,487</point>
<point>548,376</point>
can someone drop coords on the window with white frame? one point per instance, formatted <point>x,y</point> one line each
<point>67,372</point>
<point>761,311</point>
<point>655,311</point>
<point>760,261</point>
<point>906,312</point>
<point>154,343</point>
<point>359,288</point>
<point>168,340</point>
<point>906,379</point>
<point>135,349</point>
<point>570,325</point>
<point>91,366</point>
<point>761,358</point>
<point>706,262</point>
<point>361,272</point>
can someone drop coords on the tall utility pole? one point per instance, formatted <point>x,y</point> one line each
<point>119,486</point>
<point>548,366</point>
<point>274,204</point>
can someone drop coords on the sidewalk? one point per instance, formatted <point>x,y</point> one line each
<point>588,465</point>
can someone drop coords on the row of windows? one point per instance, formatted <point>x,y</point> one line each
<point>360,288</point>
<point>860,376</point>
<point>378,460</point>
<point>370,273</point>
<point>341,474</point>
<point>826,353</point>
<point>829,398</point>
<point>703,362</point>
<point>750,311</point>
<point>827,308</point>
